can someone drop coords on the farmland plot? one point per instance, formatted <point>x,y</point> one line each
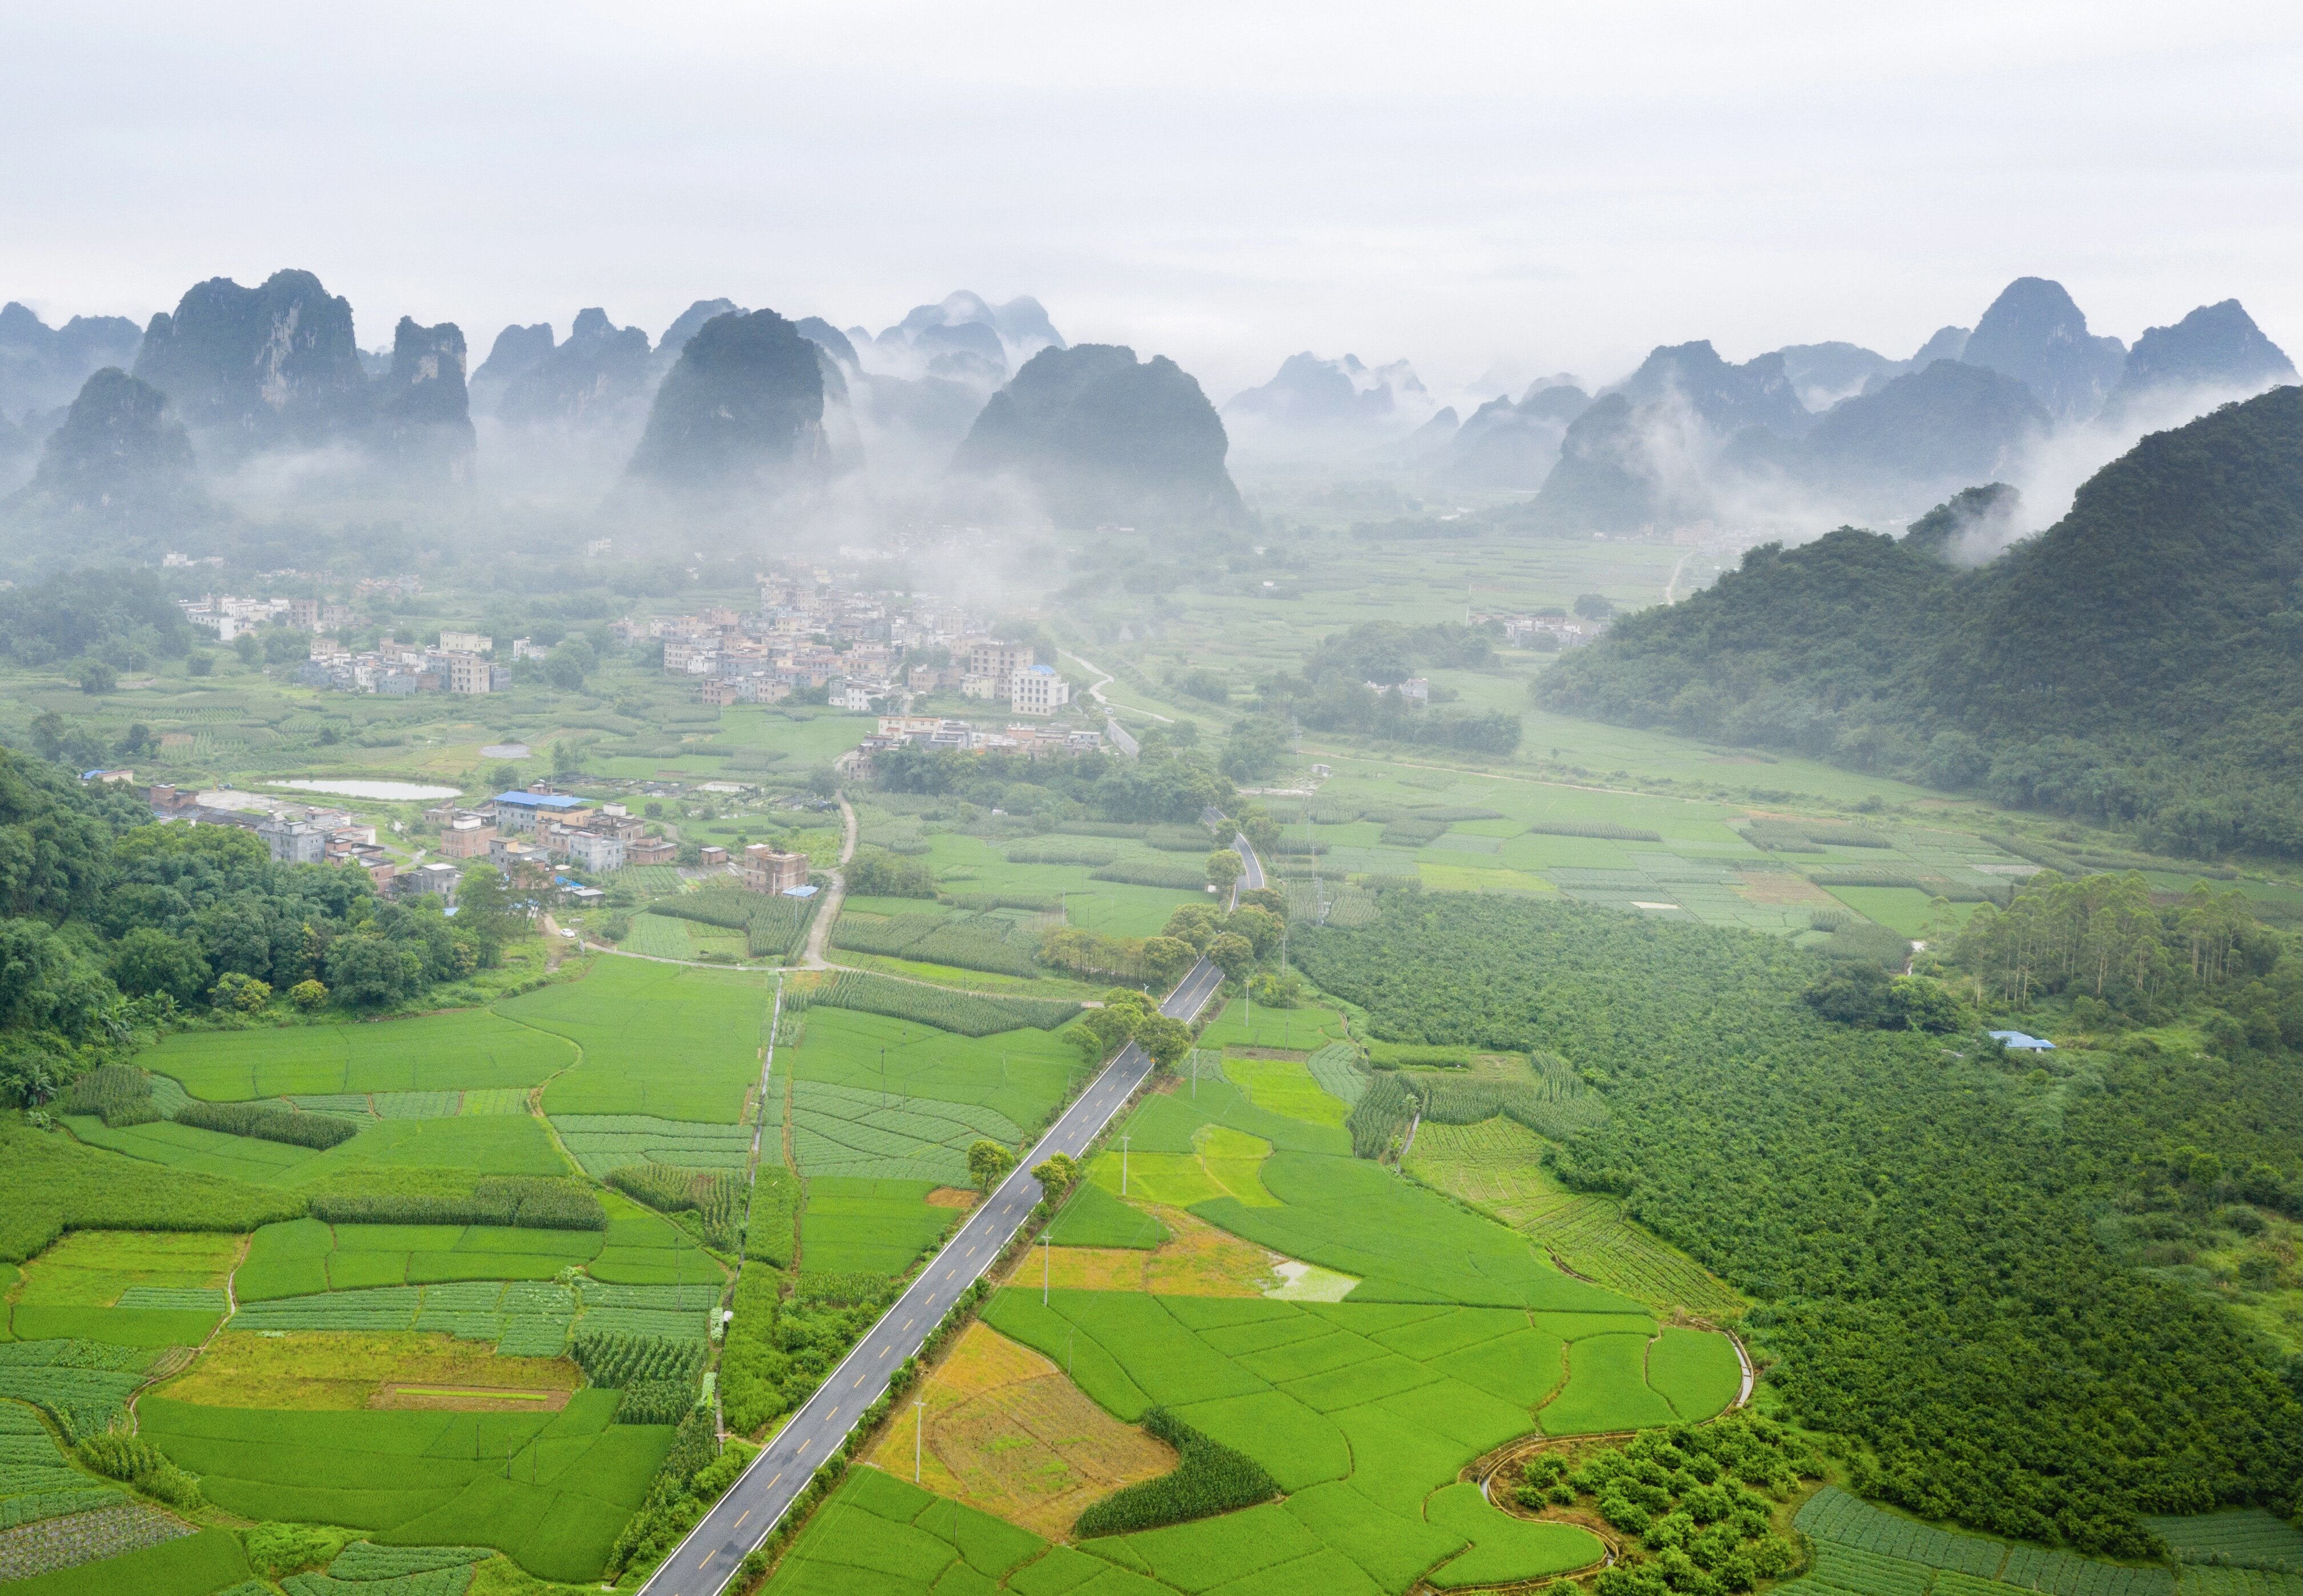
<point>655,1039</point>
<point>550,1489</point>
<point>138,1288</point>
<point>852,1132</point>
<point>461,1048</point>
<point>1385,1401</point>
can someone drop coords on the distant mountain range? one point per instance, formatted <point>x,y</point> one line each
<point>1689,438</point>
<point>1800,436</point>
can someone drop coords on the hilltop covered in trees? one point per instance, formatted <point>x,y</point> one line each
<point>2140,663</point>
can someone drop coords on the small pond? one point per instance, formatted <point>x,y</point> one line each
<point>405,792</point>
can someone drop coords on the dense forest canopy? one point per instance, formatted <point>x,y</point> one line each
<point>1917,1216</point>
<point>2140,663</point>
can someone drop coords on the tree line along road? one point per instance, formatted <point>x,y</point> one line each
<point>703,1564</point>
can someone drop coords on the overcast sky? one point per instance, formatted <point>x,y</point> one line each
<point>1555,186</point>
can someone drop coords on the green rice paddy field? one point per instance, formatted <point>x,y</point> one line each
<point>550,1489</point>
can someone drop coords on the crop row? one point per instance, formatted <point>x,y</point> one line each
<point>1336,1067</point>
<point>964,941</point>
<point>1592,1236</point>
<point>364,1560</point>
<point>1155,873</point>
<point>962,1013</point>
<point>2249,1538</point>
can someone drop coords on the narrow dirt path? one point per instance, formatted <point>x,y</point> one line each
<point>167,1369</point>
<point>819,931</point>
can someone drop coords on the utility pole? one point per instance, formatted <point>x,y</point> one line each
<point>1045,1247</point>
<point>919,1429</point>
<point>1123,1164</point>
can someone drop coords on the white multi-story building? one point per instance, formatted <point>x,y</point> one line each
<point>466,643</point>
<point>1038,690</point>
<point>596,851</point>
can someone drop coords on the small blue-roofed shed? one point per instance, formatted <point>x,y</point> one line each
<point>2017,1042</point>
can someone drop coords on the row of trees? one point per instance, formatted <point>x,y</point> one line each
<point>2103,937</point>
<point>1236,942</point>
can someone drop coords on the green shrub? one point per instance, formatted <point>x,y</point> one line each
<point>1208,1478</point>
<point>276,1550</point>
<point>655,1402</point>
<point>775,1216</point>
<point>119,1456</point>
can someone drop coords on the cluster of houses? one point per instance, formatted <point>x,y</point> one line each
<point>811,634</point>
<point>533,837</point>
<point>458,663</point>
<point>228,617</point>
<point>1547,629</point>
<point>299,835</point>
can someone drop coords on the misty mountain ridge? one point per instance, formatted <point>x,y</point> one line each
<point>740,411</point>
<point>248,370</point>
<point>120,469</point>
<point>2138,663</point>
<point>964,337</point>
<point>1314,406</point>
<point>1511,445</point>
<point>1701,439</point>
<point>42,367</point>
<point>1094,436</point>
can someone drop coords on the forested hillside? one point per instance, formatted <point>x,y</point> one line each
<point>109,924</point>
<point>2140,663</point>
<point>1916,1217</point>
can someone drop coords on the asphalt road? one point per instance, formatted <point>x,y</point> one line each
<point>703,1562</point>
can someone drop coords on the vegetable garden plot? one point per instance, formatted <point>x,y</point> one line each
<point>1336,1067</point>
<point>127,1548</point>
<point>2197,1579</point>
<point>36,1481</point>
<point>846,1131</point>
<point>599,1142</point>
<point>468,1047</point>
<point>1495,1165</point>
<point>1002,943</point>
<point>83,1385</point>
<point>2247,1537</point>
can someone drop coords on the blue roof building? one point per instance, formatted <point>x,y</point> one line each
<point>2016,1042</point>
<point>539,803</point>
